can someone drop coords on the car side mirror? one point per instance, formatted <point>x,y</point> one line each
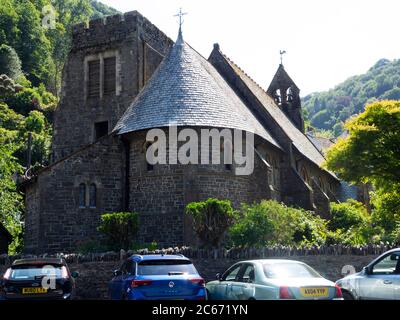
<point>367,270</point>
<point>218,276</point>
<point>74,274</point>
<point>117,273</point>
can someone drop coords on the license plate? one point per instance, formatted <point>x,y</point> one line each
<point>33,290</point>
<point>314,292</point>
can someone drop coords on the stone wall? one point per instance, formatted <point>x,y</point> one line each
<point>95,270</point>
<point>55,221</point>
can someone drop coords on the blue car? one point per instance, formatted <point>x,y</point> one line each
<point>157,277</point>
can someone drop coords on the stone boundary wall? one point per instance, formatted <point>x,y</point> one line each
<point>95,269</point>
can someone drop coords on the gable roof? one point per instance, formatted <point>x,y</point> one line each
<point>299,139</point>
<point>186,90</point>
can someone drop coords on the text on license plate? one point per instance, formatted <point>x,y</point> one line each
<point>33,290</point>
<point>314,292</point>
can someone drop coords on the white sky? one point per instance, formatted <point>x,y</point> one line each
<point>326,41</point>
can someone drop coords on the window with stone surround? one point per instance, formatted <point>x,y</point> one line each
<point>101,75</point>
<point>305,176</point>
<point>82,195</point>
<point>94,79</point>
<point>92,195</point>
<point>109,76</point>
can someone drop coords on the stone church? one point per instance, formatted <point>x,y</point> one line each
<point>124,77</point>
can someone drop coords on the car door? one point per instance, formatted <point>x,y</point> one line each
<point>244,286</point>
<point>119,282</point>
<point>383,280</point>
<point>223,289</point>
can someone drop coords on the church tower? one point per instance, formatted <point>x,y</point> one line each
<point>287,96</point>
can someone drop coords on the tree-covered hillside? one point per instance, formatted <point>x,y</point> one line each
<point>328,110</point>
<point>31,62</point>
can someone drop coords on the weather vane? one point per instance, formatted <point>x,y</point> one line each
<point>180,15</point>
<point>282,52</point>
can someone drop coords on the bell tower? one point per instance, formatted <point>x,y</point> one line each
<point>287,96</point>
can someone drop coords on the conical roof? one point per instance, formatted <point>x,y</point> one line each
<point>188,91</point>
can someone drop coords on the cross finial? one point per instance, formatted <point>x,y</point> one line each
<point>282,52</point>
<point>180,15</point>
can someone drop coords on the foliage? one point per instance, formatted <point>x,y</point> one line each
<point>348,214</point>
<point>211,219</point>
<point>370,154</point>
<point>328,110</point>
<point>10,64</point>
<point>119,228</point>
<point>11,209</point>
<point>386,210</point>
<point>253,227</point>
<point>271,222</point>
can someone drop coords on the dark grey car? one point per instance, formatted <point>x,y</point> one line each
<point>378,280</point>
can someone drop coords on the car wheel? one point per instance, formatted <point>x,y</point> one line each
<point>347,296</point>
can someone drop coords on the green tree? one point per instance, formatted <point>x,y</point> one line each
<point>211,219</point>
<point>371,152</point>
<point>10,64</point>
<point>253,227</point>
<point>120,229</point>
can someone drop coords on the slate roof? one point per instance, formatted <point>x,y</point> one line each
<point>298,138</point>
<point>321,143</point>
<point>187,90</point>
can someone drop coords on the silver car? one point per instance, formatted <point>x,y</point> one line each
<point>378,280</point>
<point>270,279</point>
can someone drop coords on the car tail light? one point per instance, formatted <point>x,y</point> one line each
<point>338,292</point>
<point>7,274</point>
<point>64,272</point>
<point>140,283</point>
<point>198,281</point>
<point>284,293</point>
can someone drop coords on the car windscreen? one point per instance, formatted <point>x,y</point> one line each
<point>165,267</point>
<point>32,272</point>
<point>289,270</point>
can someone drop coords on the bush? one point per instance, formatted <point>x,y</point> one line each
<point>271,222</point>
<point>252,228</point>
<point>120,229</point>
<point>211,219</point>
<point>348,214</point>
<point>10,64</point>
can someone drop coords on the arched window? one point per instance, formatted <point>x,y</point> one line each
<point>278,97</point>
<point>304,175</point>
<point>270,172</point>
<point>92,195</point>
<point>82,195</point>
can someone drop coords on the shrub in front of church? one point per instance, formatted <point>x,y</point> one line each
<point>270,222</point>
<point>119,229</point>
<point>211,219</point>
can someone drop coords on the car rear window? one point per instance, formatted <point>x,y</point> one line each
<point>32,272</point>
<point>165,267</point>
<point>289,270</point>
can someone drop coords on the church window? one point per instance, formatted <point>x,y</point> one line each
<point>101,129</point>
<point>275,173</point>
<point>277,97</point>
<point>94,79</point>
<point>82,195</point>
<point>321,183</point>
<point>304,175</point>
<point>109,80</point>
<point>92,195</point>
<point>289,94</point>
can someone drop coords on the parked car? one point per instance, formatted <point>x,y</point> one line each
<point>44,278</point>
<point>269,279</point>
<point>155,277</point>
<point>378,280</point>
